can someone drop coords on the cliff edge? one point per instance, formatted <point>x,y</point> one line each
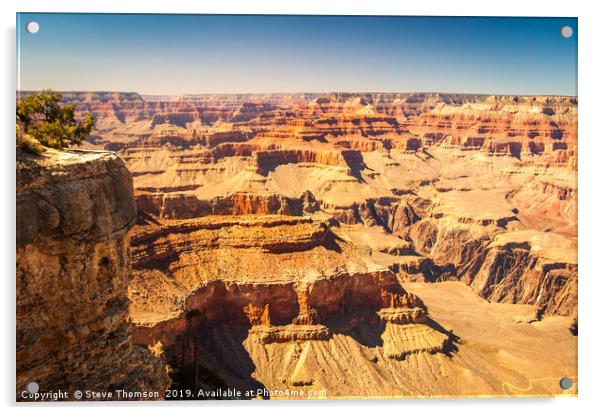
<point>74,210</point>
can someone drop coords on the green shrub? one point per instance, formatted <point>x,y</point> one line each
<point>30,145</point>
<point>52,125</point>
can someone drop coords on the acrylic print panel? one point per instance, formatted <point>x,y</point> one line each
<point>295,207</point>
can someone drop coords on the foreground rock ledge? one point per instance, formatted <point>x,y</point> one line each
<point>74,210</point>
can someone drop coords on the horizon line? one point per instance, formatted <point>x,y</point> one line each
<point>142,94</point>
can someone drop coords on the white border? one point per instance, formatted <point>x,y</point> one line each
<point>590,206</point>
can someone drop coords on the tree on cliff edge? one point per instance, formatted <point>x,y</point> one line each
<point>41,118</point>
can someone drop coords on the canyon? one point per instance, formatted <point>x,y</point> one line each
<point>330,245</point>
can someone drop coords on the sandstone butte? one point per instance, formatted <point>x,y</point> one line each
<point>366,245</point>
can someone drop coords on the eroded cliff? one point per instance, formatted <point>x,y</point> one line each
<point>232,291</point>
<point>74,211</point>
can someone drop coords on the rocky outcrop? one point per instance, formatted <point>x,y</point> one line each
<point>74,211</point>
<point>272,280</point>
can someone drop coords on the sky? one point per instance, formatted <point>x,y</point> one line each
<point>178,54</point>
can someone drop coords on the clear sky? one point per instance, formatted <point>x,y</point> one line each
<point>176,54</point>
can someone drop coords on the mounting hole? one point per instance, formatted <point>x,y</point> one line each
<point>33,27</point>
<point>566,383</point>
<point>566,32</point>
<point>33,387</point>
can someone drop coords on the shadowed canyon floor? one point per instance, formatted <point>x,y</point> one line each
<point>364,245</point>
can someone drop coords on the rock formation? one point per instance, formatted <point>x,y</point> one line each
<point>272,279</point>
<point>73,270</point>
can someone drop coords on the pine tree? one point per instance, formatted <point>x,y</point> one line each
<point>42,118</point>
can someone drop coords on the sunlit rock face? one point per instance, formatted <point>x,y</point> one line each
<point>73,270</point>
<point>293,228</point>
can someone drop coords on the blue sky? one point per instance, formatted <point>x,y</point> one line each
<point>176,54</point>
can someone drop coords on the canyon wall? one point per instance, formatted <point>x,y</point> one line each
<point>73,270</point>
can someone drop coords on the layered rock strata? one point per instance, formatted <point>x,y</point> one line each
<point>286,280</point>
<point>471,166</point>
<point>278,227</point>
